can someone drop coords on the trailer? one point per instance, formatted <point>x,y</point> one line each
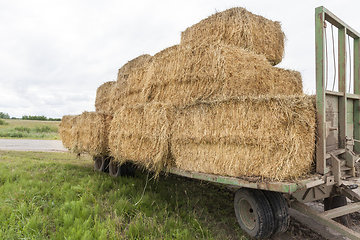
<point>262,208</point>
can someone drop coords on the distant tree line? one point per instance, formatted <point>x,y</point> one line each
<point>41,118</point>
<point>4,115</point>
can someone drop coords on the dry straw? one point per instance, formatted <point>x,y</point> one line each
<point>239,28</point>
<point>66,124</point>
<point>103,97</point>
<point>140,133</point>
<point>185,74</point>
<point>268,137</point>
<point>128,67</point>
<point>89,133</point>
<point>130,84</point>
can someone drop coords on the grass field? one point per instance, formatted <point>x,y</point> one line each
<point>30,129</point>
<point>57,196</point>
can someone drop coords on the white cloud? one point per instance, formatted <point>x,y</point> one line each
<point>54,54</point>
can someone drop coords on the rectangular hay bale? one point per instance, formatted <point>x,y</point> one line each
<point>240,28</point>
<point>140,133</point>
<point>267,137</point>
<point>65,126</point>
<point>90,133</point>
<point>103,97</point>
<point>182,75</point>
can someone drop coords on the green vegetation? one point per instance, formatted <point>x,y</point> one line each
<point>39,118</point>
<point>56,196</point>
<point>4,115</point>
<point>3,122</point>
<point>16,128</point>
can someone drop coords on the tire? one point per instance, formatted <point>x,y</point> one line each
<point>97,162</point>
<point>115,169</point>
<point>101,163</point>
<point>130,169</point>
<point>335,202</point>
<point>280,211</point>
<point>253,212</point>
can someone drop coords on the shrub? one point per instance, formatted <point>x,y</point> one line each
<point>2,122</point>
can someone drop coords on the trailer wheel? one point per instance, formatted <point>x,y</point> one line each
<point>280,210</point>
<point>335,202</point>
<point>253,212</point>
<point>130,169</point>
<point>101,163</point>
<point>98,162</point>
<point>115,169</point>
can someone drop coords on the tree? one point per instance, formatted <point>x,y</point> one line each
<point>4,115</point>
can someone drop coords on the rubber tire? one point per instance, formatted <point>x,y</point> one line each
<point>97,162</point>
<point>259,209</point>
<point>101,163</point>
<point>280,211</point>
<point>116,170</point>
<point>130,169</point>
<point>335,202</point>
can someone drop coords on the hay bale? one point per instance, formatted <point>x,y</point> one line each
<point>140,133</point>
<point>130,84</point>
<point>185,74</point>
<point>267,137</point>
<point>126,70</point>
<point>90,133</point>
<point>240,28</point>
<point>65,126</point>
<point>103,97</point>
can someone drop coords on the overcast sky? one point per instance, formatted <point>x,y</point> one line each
<point>54,54</point>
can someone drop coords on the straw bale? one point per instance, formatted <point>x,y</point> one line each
<point>238,27</point>
<point>120,97</point>
<point>140,133</point>
<point>267,137</point>
<point>65,126</point>
<point>103,97</point>
<point>130,84</point>
<point>126,70</point>
<point>90,133</point>
<point>185,74</point>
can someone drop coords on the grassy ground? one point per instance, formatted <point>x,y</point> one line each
<point>31,129</point>
<point>56,196</point>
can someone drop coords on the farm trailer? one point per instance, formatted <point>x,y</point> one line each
<point>262,208</point>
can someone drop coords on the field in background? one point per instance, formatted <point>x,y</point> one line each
<point>57,196</point>
<point>30,129</point>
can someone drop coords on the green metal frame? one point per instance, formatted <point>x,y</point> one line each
<point>284,187</point>
<point>322,15</point>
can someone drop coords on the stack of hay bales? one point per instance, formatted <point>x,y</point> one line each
<point>87,132</point>
<point>215,104</point>
<point>226,109</point>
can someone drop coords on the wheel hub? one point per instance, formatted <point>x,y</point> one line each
<point>247,214</point>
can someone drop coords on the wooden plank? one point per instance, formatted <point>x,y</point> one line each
<point>347,232</point>
<point>341,211</point>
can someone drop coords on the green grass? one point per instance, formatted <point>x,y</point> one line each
<point>30,129</point>
<point>56,196</point>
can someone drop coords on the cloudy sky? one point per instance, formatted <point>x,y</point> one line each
<point>55,53</point>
